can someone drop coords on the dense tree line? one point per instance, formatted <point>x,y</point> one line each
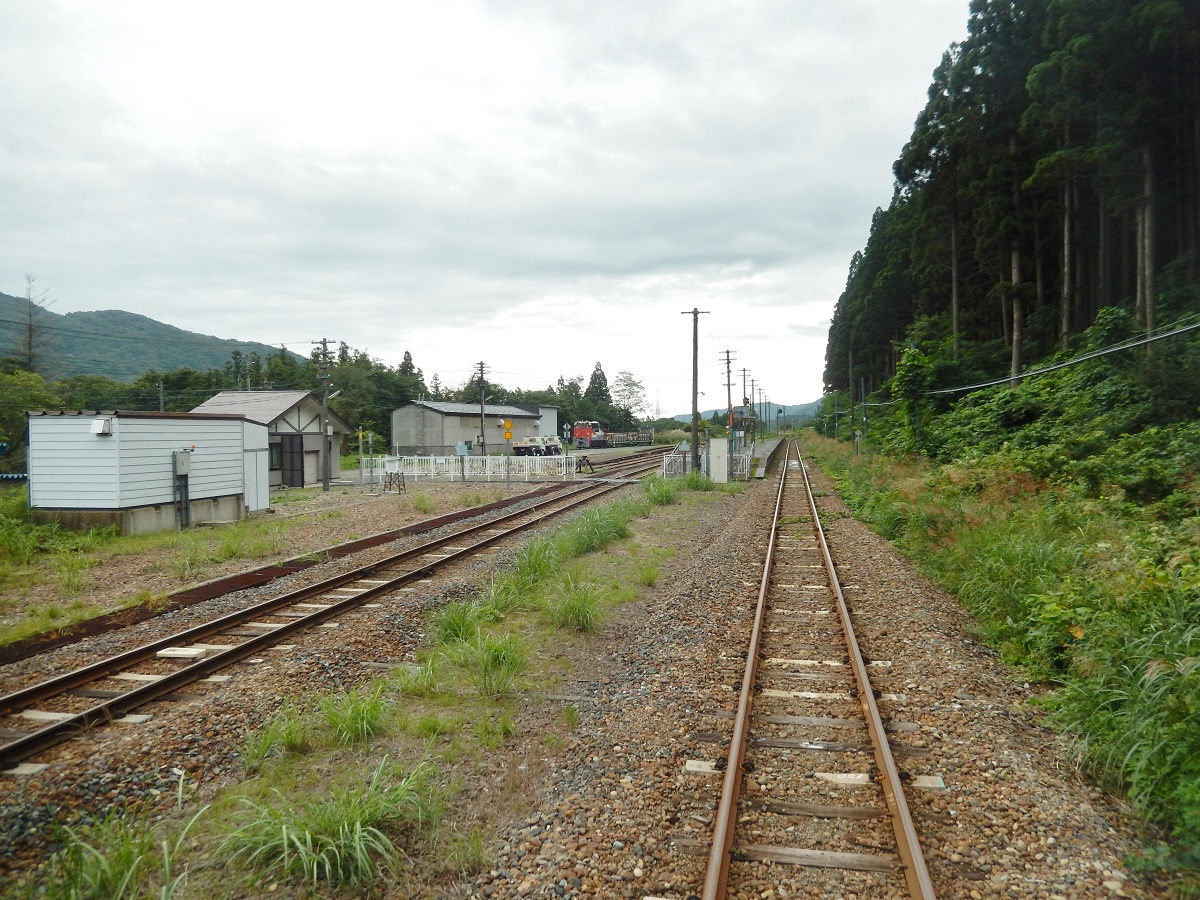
<point>368,391</point>
<point>1054,171</point>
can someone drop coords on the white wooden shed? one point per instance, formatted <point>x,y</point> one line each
<point>293,420</point>
<point>145,471</point>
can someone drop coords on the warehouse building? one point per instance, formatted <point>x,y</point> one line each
<point>439,428</point>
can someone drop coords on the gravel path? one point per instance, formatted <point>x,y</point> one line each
<point>613,814</point>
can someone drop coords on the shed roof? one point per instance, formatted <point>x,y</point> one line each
<point>134,414</point>
<point>472,409</point>
<point>265,406</point>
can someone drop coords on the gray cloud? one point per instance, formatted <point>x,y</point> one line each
<point>730,153</point>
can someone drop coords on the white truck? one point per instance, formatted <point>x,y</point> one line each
<point>537,445</point>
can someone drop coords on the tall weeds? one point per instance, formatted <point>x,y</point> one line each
<point>1097,598</point>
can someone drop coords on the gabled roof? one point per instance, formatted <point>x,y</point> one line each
<point>265,406</point>
<point>472,409</point>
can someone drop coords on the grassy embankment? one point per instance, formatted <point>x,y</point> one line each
<point>1084,588</point>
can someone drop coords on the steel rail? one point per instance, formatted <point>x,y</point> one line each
<point>907,844</point>
<point>22,698</point>
<point>717,874</point>
<point>114,708</point>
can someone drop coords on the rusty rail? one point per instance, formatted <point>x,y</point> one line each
<point>717,875</point>
<point>908,846</point>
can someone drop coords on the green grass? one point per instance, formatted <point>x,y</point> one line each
<point>420,680</point>
<point>576,603</point>
<point>646,573</point>
<point>118,857</point>
<point>432,725</point>
<point>458,622</point>
<point>290,730</point>
<point>493,663</point>
<point>422,503</point>
<point>355,715</point>
<point>660,491</point>
<point>72,572</point>
<point>466,853</point>
<point>340,838</point>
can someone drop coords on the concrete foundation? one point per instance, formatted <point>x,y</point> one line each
<point>145,519</point>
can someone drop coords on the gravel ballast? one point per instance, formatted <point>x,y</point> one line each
<point>613,814</point>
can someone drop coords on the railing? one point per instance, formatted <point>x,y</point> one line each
<point>739,466</point>
<point>674,464</point>
<point>469,468</point>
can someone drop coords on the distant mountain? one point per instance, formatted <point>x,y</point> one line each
<point>121,345</point>
<point>796,412</point>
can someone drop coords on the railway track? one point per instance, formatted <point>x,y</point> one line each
<point>812,723</point>
<point>37,717</point>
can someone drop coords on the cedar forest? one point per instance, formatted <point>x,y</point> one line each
<point>1017,353</point>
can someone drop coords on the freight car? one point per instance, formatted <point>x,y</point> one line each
<point>590,435</point>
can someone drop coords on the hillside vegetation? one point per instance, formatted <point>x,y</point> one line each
<point>111,343</point>
<point>1019,345</point>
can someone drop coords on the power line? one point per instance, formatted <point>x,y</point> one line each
<point>1094,354</point>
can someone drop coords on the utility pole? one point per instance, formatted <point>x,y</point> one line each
<point>482,400</point>
<point>753,412</point>
<point>729,388</point>
<point>745,373</point>
<point>323,374</point>
<point>162,404</point>
<point>695,314</point>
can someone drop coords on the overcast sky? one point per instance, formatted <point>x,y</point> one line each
<point>538,185</point>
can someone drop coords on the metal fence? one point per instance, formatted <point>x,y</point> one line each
<point>376,469</point>
<point>674,464</point>
<point>739,465</point>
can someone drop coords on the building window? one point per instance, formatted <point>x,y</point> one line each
<point>276,451</point>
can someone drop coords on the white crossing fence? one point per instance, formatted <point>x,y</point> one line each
<point>739,465</point>
<point>376,469</point>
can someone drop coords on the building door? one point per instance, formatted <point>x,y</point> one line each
<point>293,460</point>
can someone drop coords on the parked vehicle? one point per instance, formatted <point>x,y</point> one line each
<point>537,445</point>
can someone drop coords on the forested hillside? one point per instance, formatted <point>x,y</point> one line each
<point>1054,171</point>
<point>1019,347</point>
<point>116,344</point>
